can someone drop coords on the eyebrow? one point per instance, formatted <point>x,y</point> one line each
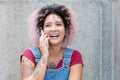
<point>55,22</point>
<point>59,21</point>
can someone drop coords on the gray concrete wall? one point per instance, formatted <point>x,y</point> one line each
<point>95,39</point>
<point>116,7</point>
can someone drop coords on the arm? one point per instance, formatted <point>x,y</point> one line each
<point>76,72</point>
<point>28,69</point>
<point>29,72</point>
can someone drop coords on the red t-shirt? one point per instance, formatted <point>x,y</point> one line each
<point>75,59</point>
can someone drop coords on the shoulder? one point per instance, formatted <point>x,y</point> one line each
<point>27,51</point>
<point>28,54</point>
<point>76,58</point>
<point>76,53</point>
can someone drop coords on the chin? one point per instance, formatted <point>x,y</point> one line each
<point>55,43</point>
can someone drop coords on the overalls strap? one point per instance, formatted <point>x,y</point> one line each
<point>67,57</point>
<point>36,53</point>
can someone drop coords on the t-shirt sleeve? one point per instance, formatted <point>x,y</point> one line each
<point>28,54</point>
<point>76,58</point>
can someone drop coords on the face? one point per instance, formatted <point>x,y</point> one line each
<point>54,28</point>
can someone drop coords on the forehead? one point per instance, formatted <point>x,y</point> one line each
<point>53,18</point>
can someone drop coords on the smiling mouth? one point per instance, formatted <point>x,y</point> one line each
<point>54,35</point>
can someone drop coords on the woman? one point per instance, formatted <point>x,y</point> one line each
<point>52,29</point>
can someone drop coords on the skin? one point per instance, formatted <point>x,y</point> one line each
<point>52,52</point>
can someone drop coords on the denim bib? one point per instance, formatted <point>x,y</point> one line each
<point>56,74</point>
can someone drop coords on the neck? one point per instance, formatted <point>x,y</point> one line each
<point>55,50</point>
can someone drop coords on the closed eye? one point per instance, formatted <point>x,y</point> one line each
<point>59,24</point>
<point>47,25</point>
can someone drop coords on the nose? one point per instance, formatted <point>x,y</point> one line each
<point>54,28</point>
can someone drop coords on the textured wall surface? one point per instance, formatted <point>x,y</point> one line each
<point>94,40</point>
<point>117,32</point>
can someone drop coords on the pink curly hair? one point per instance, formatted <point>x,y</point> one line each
<point>34,31</point>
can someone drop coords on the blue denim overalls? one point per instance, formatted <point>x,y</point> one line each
<point>56,74</point>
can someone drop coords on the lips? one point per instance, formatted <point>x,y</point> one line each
<point>54,35</point>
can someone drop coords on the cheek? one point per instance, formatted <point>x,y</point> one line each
<point>62,30</point>
<point>46,31</point>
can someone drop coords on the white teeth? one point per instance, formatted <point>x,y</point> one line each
<point>54,35</point>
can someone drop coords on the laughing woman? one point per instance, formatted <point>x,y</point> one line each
<point>52,29</point>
